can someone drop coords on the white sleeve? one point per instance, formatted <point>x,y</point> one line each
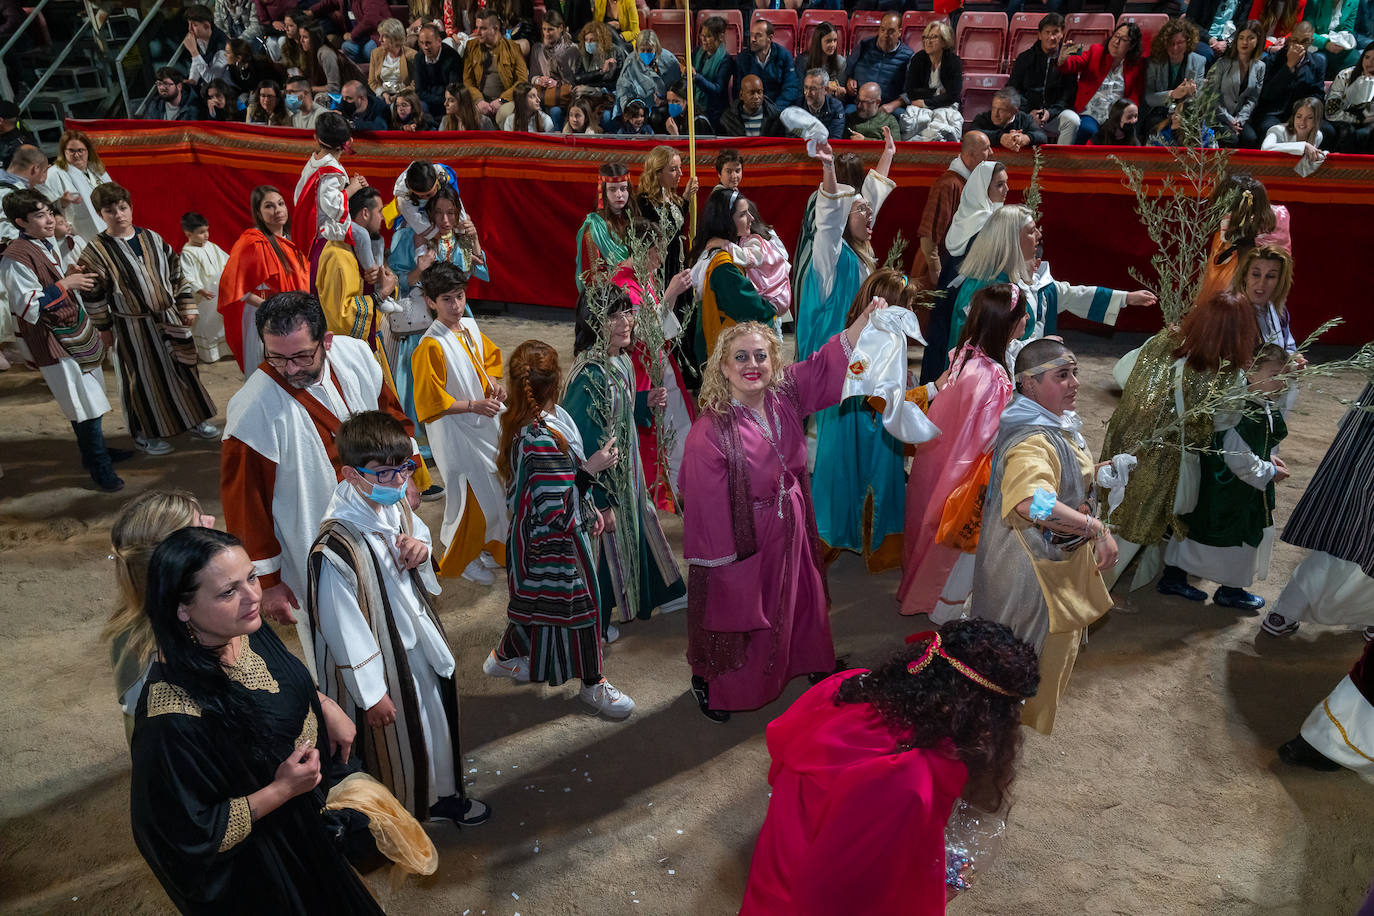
<point>1089,301</point>
<point>333,207</point>
<point>22,290</point>
<point>1244,463</point>
<point>831,214</point>
<point>414,216</point>
<point>350,640</point>
<point>1273,141</point>
<point>875,190</point>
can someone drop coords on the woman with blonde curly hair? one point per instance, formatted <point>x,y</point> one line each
<point>141,525</point>
<point>757,602</point>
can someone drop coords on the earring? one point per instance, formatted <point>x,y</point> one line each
<point>190,631</point>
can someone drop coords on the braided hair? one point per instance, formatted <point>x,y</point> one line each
<point>534,378</point>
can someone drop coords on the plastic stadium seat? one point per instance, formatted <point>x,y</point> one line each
<point>786,28</point>
<point>734,29</point>
<point>980,41</point>
<point>1150,24</point>
<point>864,24</point>
<point>811,18</point>
<point>1088,28</point>
<point>1025,31</point>
<point>670,27</point>
<point>979,89</point>
<point>914,23</point>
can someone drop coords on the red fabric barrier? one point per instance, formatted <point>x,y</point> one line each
<point>528,194</point>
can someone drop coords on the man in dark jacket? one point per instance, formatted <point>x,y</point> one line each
<point>435,67</point>
<point>751,115</point>
<point>882,60</point>
<point>173,98</point>
<point>363,110</point>
<point>1045,91</point>
<point>821,105</point>
<point>1006,124</point>
<point>771,63</point>
<point>11,137</point>
<point>1291,73</point>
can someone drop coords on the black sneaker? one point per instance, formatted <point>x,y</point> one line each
<point>109,481</point>
<point>1299,753</point>
<point>430,494</point>
<point>701,691</point>
<point>465,812</point>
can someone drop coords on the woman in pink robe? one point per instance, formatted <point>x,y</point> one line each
<point>868,765</point>
<point>966,413</point>
<point>757,613</point>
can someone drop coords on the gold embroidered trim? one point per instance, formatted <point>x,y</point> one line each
<point>239,826</point>
<point>165,698</point>
<point>363,662</point>
<point>251,671</point>
<point>1326,705</point>
<point>310,732</point>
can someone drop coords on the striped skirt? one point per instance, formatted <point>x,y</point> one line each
<point>556,654</point>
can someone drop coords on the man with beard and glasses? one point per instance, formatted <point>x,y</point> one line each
<point>279,465</point>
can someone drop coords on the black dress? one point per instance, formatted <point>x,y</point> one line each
<point>190,784</point>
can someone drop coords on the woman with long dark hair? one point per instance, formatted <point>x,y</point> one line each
<point>823,54</point>
<point>1237,78</point>
<point>263,262</point>
<point>714,67</point>
<point>725,294</point>
<point>230,740</point>
<point>603,240</point>
<point>267,107</point>
<point>1106,72</point>
<point>868,765</point>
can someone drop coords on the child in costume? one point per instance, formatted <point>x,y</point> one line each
<point>202,263</point>
<point>322,195</point>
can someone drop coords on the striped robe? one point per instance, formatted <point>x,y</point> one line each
<point>550,566</point>
<point>140,294</point>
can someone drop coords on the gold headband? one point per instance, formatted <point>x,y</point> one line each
<point>1063,359</point>
<point>935,648</point>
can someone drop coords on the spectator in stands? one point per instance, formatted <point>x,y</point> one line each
<point>598,59</point>
<point>935,78</point>
<point>647,74</point>
<point>823,106</point>
<point>266,106</point>
<point>1006,125</point>
<point>1277,19</point>
<point>492,65</point>
<point>205,43</point>
<point>1302,135</point>
<point>11,137</point>
<point>271,18</point>
<point>408,114</point>
<point>824,54</point>
<point>671,117</point>
<point>1291,73</point>
<point>1176,132</point>
<point>460,111</point>
<point>941,204</point>
<point>1045,92</point>
<point>867,120</point>
<point>1174,73</point>
<point>1342,28</point>
<point>1106,72</point>
<point>28,168</point>
<point>1121,127</point>
<point>392,65</point>
<point>436,67</point>
<point>751,115</point>
<point>300,102</point>
<point>221,103</point>
<point>771,63</point>
<point>173,98</point>
<point>326,68</point>
<point>356,21</point>
<point>1350,106</point>
<point>237,19</point>
<point>526,114</point>
<point>580,118</point>
<point>518,16</point>
<point>289,52</point>
<point>633,121</point>
<point>244,69</point>
<point>620,16</point>
<point>884,60</point>
<point>363,110</point>
<point>552,64</point>
<point>1237,79</point>
<point>713,70</point>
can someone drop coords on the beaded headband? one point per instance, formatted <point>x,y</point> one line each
<point>936,649</point>
<point>1063,359</point>
<point>602,181</point>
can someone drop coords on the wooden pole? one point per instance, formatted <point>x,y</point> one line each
<point>691,126</point>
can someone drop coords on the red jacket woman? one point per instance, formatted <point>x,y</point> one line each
<point>1094,64</point>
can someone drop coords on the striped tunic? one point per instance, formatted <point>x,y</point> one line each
<point>1335,514</point>
<point>553,609</point>
<point>140,294</point>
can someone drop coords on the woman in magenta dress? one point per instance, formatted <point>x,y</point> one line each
<point>936,577</point>
<point>757,600</point>
<point>868,765</point>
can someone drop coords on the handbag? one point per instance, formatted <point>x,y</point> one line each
<point>962,518</point>
<point>76,335</point>
<point>1189,463</point>
<point>414,316</point>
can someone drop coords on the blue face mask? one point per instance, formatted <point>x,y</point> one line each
<point>674,109</point>
<point>591,47</point>
<point>387,496</point>
<point>293,103</point>
<point>647,57</point>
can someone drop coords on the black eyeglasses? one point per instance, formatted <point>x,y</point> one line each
<point>299,360</point>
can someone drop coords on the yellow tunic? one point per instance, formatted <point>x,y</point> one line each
<point>429,376</point>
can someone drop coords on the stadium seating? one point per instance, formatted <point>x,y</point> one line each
<point>864,24</point>
<point>1088,28</point>
<point>786,28</point>
<point>670,27</point>
<point>1025,28</point>
<point>838,18</point>
<point>1150,24</point>
<point>979,89</point>
<point>980,40</point>
<point>914,25</point>
<point>734,29</point>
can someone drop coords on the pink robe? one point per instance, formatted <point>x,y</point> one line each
<point>967,412</point>
<point>755,623</point>
<point>852,827</point>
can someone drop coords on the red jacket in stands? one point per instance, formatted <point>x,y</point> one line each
<point>1093,65</point>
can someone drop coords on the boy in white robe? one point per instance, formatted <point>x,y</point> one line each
<point>370,587</point>
<point>202,263</point>
<point>455,371</point>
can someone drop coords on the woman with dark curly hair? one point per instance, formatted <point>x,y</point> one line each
<point>867,766</point>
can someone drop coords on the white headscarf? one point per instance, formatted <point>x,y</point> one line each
<point>975,208</point>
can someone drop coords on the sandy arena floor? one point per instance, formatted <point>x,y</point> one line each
<point>1159,793</point>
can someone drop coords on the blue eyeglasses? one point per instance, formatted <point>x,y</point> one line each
<point>390,476</point>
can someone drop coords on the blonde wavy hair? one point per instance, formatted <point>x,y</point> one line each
<point>143,523</point>
<point>651,179</point>
<point>716,393</point>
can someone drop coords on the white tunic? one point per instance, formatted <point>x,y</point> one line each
<point>85,218</point>
<point>201,269</point>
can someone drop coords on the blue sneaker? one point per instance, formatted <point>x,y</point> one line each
<point>1238,598</point>
<point>1181,588</point>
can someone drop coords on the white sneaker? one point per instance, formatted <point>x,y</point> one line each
<point>487,560</point>
<point>478,573</point>
<point>206,430</point>
<point>604,698</point>
<point>515,668</point>
<point>154,446</point>
<point>673,606</point>
<point>612,633</point>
